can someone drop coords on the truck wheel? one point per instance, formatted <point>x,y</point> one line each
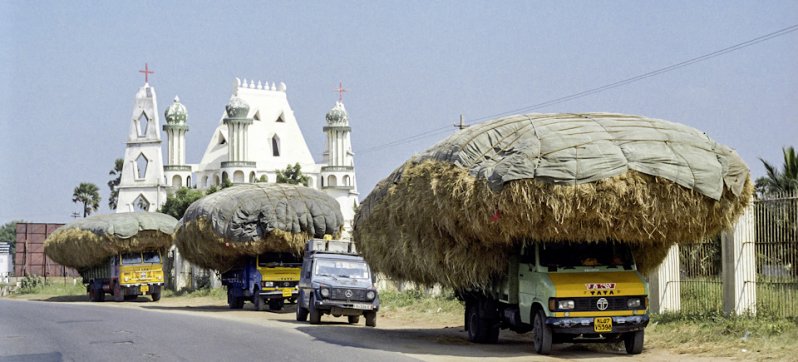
<point>301,313</point>
<point>481,328</point>
<point>315,314</point>
<point>259,304</point>
<point>353,319</point>
<point>94,294</point>
<point>276,304</point>
<point>633,341</point>
<point>371,318</point>
<point>155,296</point>
<point>541,334</point>
<point>119,293</point>
<point>233,301</point>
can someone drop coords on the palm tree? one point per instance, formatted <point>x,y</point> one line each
<point>114,183</point>
<point>88,194</point>
<point>779,181</point>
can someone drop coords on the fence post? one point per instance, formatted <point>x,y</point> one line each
<point>664,285</point>
<point>739,265</point>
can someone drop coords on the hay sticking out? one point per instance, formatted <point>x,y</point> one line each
<point>220,229</point>
<point>433,222</point>
<point>91,241</point>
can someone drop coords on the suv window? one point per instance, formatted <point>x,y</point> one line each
<point>341,268</point>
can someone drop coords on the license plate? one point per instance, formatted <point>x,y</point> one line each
<point>362,306</point>
<point>144,289</point>
<point>287,293</point>
<point>602,324</point>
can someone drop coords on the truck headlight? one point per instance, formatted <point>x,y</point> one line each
<point>127,278</point>
<point>370,295</point>
<point>325,292</point>
<point>633,303</point>
<point>268,284</point>
<point>565,304</point>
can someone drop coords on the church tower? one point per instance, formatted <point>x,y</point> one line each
<point>176,171</point>
<point>238,164</point>
<point>141,187</point>
<point>338,173</point>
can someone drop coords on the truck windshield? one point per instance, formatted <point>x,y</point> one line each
<point>152,257</point>
<point>272,260</point>
<point>571,255</point>
<point>341,268</point>
<point>131,258</point>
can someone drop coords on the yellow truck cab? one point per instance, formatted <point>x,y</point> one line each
<point>564,292</point>
<point>126,276</point>
<point>279,278</point>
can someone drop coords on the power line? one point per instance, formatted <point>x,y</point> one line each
<point>620,83</point>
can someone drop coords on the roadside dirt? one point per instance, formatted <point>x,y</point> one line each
<point>443,340</point>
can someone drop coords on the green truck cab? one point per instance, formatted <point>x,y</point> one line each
<point>126,276</point>
<point>563,293</point>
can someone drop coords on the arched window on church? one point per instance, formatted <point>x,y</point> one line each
<point>252,177</point>
<point>238,177</point>
<point>225,177</point>
<point>188,181</point>
<point>276,146</point>
<point>332,181</point>
<point>141,166</point>
<point>205,181</point>
<point>347,181</point>
<point>141,204</point>
<point>177,181</point>
<point>141,125</point>
<point>215,179</point>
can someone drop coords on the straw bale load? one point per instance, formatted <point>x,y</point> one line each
<point>91,241</point>
<point>453,214</point>
<point>219,229</point>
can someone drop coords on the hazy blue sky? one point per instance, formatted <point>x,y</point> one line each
<point>69,74</point>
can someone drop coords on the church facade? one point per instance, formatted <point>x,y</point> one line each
<point>257,136</point>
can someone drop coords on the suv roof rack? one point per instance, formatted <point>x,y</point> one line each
<point>330,247</point>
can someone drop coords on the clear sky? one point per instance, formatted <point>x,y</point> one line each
<point>69,74</point>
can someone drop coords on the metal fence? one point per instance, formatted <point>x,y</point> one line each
<point>777,255</point>
<point>700,283</point>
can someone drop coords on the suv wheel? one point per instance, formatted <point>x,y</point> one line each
<point>371,318</point>
<point>315,314</point>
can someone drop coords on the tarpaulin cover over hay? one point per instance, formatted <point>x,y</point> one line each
<point>251,219</point>
<point>453,214</point>
<point>91,241</point>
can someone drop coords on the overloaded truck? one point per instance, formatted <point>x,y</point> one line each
<point>267,279</point>
<point>545,222</point>
<point>120,253</point>
<point>336,281</point>
<point>125,276</point>
<point>563,293</point>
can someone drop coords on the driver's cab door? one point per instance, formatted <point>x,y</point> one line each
<point>527,279</point>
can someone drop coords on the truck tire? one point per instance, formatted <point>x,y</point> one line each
<point>371,318</point>
<point>353,319</point>
<point>155,296</point>
<point>315,314</point>
<point>276,304</point>
<point>233,301</point>
<point>482,328</point>
<point>301,313</point>
<point>541,334</point>
<point>258,302</point>
<point>633,341</point>
<point>119,293</point>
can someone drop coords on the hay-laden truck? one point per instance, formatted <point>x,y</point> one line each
<point>126,276</point>
<point>586,292</point>
<point>266,279</point>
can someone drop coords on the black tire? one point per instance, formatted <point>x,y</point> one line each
<point>94,294</point>
<point>371,318</point>
<point>276,304</point>
<point>119,293</point>
<point>259,303</point>
<point>234,302</point>
<point>481,328</point>
<point>315,314</point>
<point>633,341</point>
<point>353,319</point>
<point>155,296</point>
<point>301,313</point>
<point>541,334</point>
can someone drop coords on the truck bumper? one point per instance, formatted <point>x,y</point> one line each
<point>585,325</point>
<point>142,289</point>
<point>278,294</point>
<point>337,307</point>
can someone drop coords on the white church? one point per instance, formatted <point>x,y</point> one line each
<point>257,136</point>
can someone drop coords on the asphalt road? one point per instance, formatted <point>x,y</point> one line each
<point>46,331</point>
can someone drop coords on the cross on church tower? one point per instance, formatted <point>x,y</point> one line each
<point>340,91</point>
<point>146,72</point>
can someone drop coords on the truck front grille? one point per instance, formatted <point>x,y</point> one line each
<point>591,304</point>
<point>349,294</point>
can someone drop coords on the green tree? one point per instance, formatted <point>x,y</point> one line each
<point>89,195</point>
<point>8,232</point>
<point>292,175</point>
<point>114,182</point>
<point>177,203</point>
<point>779,181</point>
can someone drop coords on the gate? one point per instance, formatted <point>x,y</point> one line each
<point>777,254</point>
